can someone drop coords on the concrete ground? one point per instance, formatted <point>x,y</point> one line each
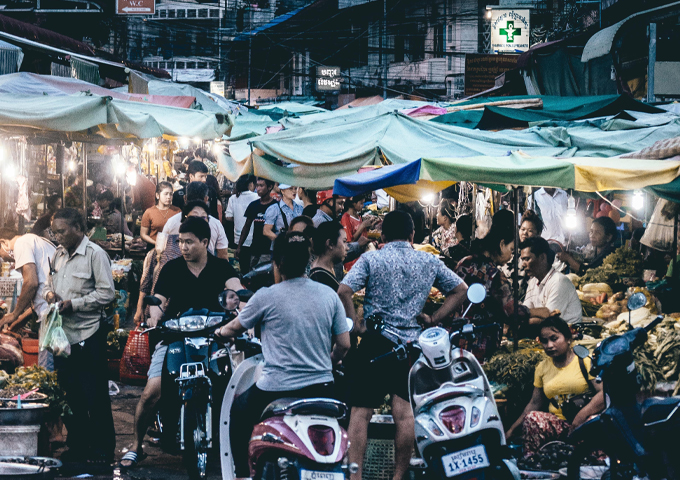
<point>158,465</point>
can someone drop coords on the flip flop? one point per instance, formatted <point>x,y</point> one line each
<point>133,457</point>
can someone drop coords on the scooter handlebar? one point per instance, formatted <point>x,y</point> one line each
<point>652,325</point>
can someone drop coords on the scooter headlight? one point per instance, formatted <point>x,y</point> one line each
<point>172,324</point>
<point>212,321</point>
<point>192,323</point>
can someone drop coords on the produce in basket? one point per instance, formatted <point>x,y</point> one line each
<point>45,381</point>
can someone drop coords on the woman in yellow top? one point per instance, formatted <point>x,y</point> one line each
<point>557,379</point>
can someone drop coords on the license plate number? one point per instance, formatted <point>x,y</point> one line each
<point>312,475</point>
<point>465,460</point>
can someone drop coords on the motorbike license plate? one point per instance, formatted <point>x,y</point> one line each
<point>312,475</point>
<point>465,460</point>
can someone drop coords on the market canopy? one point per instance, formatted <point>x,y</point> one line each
<point>551,108</point>
<point>578,173</point>
<point>33,84</point>
<point>87,116</point>
<point>315,156</point>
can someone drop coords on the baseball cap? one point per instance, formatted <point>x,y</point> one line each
<point>283,186</point>
<point>323,195</point>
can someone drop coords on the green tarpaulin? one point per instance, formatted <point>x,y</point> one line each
<point>554,108</point>
<point>106,117</point>
<point>314,156</point>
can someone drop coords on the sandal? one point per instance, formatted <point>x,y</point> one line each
<point>133,457</point>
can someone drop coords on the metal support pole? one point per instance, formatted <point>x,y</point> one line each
<point>383,48</point>
<point>473,211</point>
<point>122,216</point>
<point>85,182</point>
<point>652,62</point>
<point>515,267</point>
<point>674,260</point>
<point>250,46</point>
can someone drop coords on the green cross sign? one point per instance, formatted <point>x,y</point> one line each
<point>510,31</point>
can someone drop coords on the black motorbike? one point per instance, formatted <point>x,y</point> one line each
<point>640,439</point>
<point>196,371</point>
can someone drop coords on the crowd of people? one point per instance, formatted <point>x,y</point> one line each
<point>322,247</point>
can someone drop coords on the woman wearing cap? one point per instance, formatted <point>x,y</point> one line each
<point>277,218</point>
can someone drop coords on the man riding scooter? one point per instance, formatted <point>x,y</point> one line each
<point>299,320</point>
<point>193,280</point>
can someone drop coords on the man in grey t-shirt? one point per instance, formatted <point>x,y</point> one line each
<point>297,341</point>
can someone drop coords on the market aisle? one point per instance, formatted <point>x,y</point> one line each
<point>158,465</point>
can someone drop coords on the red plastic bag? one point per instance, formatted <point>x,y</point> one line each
<point>136,359</point>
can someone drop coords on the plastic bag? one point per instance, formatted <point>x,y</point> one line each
<point>52,335</point>
<point>659,232</point>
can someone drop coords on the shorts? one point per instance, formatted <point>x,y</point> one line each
<point>157,359</point>
<point>371,382</point>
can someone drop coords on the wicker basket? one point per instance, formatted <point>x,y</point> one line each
<point>379,459</point>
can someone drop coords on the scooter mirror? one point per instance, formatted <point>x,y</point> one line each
<point>476,293</point>
<point>581,351</point>
<point>637,300</point>
<point>229,300</point>
<point>152,301</point>
<point>350,324</point>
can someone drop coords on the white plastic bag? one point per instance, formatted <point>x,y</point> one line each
<point>52,335</point>
<point>659,232</point>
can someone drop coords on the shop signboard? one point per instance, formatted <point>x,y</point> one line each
<point>510,30</point>
<point>135,7</point>
<point>328,79</point>
<point>481,70</point>
<point>217,88</point>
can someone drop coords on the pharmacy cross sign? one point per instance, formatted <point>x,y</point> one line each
<point>510,31</point>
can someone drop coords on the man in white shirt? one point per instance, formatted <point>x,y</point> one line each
<point>236,213</point>
<point>548,289</point>
<point>219,245</point>
<point>31,255</point>
<point>552,205</point>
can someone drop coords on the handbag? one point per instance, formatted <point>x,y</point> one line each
<point>575,403</point>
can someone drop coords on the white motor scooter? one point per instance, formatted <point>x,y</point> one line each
<point>458,430</point>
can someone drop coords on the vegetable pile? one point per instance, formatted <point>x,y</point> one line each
<point>30,378</point>
<point>622,263</point>
<point>554,456</point>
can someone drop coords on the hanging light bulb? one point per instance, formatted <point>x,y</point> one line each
<point>217,149</point>
<point>197,140</point>
<point>131,177</point>
<point>118,166</point>
<point>71,165</point>
<point>427,199</point>
<point>638,200</point>
<point>184,142</point>
<point>570,220</point>
<point>10,171</point>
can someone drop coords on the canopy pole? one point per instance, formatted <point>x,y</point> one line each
<point>515,277</point>
<point>474,211</point>
<point>84,181</point>
<point>674,255</point>
<point>122,215</point>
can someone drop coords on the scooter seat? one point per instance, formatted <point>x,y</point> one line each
<point>657,409</point>
<point>305,406</point>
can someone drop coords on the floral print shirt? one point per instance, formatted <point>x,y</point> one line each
<point>499,304</point>
<point>398,280</point>
<point>444,239</point>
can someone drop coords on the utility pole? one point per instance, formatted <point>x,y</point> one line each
<point>652,64</point>
<point>250,45</point>
<point>383,48</point>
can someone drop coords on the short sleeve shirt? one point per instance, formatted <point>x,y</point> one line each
<point>33,249</point>
<point>555,292</point>
<point>398,280</point>
<point>274,216</point>
<point>184,290</point>
<point>255,212</point>
<point>296,336</point>
<point>559,384</point>
<point>155,219</point>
